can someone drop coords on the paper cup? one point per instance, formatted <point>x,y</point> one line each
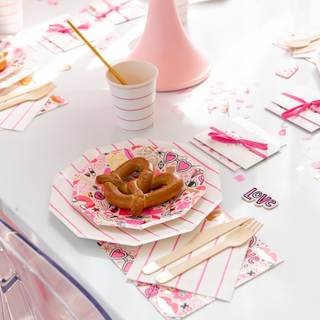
<point>134,104</point>
<point>10,17</point>
<point>182,10</point>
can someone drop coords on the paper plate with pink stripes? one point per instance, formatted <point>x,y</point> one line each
<point>26,62</point>
<point>62,207</point>
<point>88,196</point>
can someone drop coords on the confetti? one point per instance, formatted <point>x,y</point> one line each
<point>242,89</point>
<point>238,108</point>
<point>287,73</point>
<point>177,111</point>
<point>239,178</point>
<point>317,177</point>
<point>246,116</point>
<point>240,101</point>
<point>300,168</point>
<point>307,137</point>
<point>282,132</point>
<point>63,67</point>
<point>316,165</point>
<point>250,106</point>
<point>215,91</point>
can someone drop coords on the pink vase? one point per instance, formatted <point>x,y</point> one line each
<point>165,44</point>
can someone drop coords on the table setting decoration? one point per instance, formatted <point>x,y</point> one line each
<point>61,204</point>
<point>209,276</point>
<point>23,101</point>
<point>236,143</point>
<point>63,37</point>
<point>300,101</point>
<point>116,11</point>
<point>248,126</point>
<point>174,303</point>
<point>23,59</point>
<point>97,208</point>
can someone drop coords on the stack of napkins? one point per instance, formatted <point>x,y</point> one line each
<point>309,120</point>
<point>215,277</point>
<point>117,11</point>
<point>236,156</point>
<point>17,118</point>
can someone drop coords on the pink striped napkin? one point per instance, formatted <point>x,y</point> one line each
<point>19,117</point>
<point>214,278</point>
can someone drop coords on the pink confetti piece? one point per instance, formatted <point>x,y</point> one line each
<point>250,106</point>
<point>177,111</point>
<point>246,116</point>
<point>108,38</point>
<point>239,178</point>
<point>232,92</point>
<point>184,91</point>
<point>220,83</point>
<point>247,91</point>
<point>240,101</point>
<point>316,165</point>
<point>307,137</point>
<point>238,108</point>
<point>215,91</point>
<point>282,132</point>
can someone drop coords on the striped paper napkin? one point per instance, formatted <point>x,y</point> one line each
<point>214,278</point>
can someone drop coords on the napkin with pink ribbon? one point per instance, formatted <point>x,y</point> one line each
<point>220,136</point>
<point>62,29</point>
<point>116,11</point>
<point>300,103</point>
<point>301,108</point>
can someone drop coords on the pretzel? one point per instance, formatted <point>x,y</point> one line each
<point>133,195</point>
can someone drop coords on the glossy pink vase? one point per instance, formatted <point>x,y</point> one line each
<point>165,44</point>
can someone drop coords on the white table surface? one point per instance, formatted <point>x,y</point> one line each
<point>237,35</point>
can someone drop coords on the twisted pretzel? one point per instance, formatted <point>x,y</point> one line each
<point>133,195</point>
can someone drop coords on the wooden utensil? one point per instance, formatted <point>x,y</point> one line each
<point>115,73</point>
<point>16,93</point>
<point>234,239</point>
<point>34,95</point>
<point>195,243</point>
<point>302,42</point>
<point>310,48</point>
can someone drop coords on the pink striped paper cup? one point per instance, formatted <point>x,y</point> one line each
<point>182,10</point>
<point>134,104</point>
<point>10,17</point>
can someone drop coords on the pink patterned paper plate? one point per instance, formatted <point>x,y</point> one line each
<point>15,57</point>
<point>89,199</point>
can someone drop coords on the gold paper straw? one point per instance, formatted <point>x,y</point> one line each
<point>115,73</point>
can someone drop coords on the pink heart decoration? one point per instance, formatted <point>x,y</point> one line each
<point>127,267</point>
<point>169,157</point>
<point>118,254</point>
<point>183,165</point>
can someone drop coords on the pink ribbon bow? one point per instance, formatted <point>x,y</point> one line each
<point>299,109</point>
<point>222,137</point>
<point>60,28</point>
<point>113,8</point>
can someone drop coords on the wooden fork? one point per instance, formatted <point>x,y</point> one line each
<point>233,239</point>
<point>34,95</point>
